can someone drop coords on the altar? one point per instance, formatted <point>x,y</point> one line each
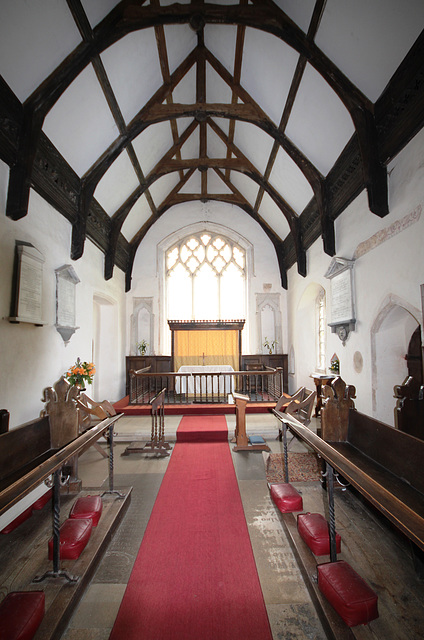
<point>205,383</point>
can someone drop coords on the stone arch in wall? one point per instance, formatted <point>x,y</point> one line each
<point>304,333</point>
<point>268,313</point>
<point>390,336</point>
<point>142,325</point>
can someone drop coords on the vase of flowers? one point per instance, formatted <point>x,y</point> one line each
<point>142,347</point>
<point>81,373</point>
<point>270,345</point>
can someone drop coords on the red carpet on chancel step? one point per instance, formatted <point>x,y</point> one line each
<point>209,428</point>
<point>195,576</point>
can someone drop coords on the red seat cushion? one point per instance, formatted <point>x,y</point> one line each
<point>286,498</point>
<point>21,613</point>
<point>347,592</point>
<point>17,521</point>
<point>87,507</point>
<point>314,530</point>
<point>42,500</point>
<point>74,535</point>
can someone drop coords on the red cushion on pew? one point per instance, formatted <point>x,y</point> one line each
<point>17,521</point>
<point>347,592</point>
<point>286,498</point>
<point>87,507</point>
<point>21,613</point>
<point>314,530</point>
<point>42,500</point>
<point>74,535</point>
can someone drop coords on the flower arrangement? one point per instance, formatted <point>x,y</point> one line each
<point>81,373</point>
<point>142,347</point>
<point>335,364</point>
<point>270,345</point>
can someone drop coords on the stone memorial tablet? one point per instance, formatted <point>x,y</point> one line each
<point>343,320</point>
<point>28,285</point>
<point>66,279</point>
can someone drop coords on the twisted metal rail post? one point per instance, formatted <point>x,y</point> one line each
<point>56,572</point>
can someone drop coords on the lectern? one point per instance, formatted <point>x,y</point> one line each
<point>241,439</point>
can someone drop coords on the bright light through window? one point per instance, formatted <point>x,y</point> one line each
<point>206,279</point>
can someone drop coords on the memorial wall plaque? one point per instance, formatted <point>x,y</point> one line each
<point>27,293</point>
<point>343,320</point>
<point>66,280</point>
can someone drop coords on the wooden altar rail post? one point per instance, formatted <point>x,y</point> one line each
<point>157,442</point>
<point>261,386</point>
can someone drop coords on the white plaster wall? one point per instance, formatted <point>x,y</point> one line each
<point>32,358</point>
<point>146,279</point>
<point>390,272</point>
<point>35,357</point>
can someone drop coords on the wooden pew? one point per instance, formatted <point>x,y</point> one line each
<point>23,449</point>
<point>384,464</point>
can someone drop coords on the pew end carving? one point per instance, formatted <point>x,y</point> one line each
<point>338,400</point>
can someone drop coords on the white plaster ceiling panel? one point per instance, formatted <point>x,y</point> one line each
<point>288,179</point>
<point>80,128</point>
<point>221,41</point>
<point>216,89</point>
<point>185,91</point>
<point>254,143</point>
<point>319,124</point>
<point>30,47</point>
<point>180,41</point>
<point>119,181</point>
<point>267,71</point>
<point>368,40</point>
<point>299,12</point>
<point>136,218</point>
<point>132,66</point>
<point>193,184</point>
<point>274,217</point>
<point>96,10</point>
<point>190,149</point>
<point>152,144</point>
<point>161,187</point>
<point>216,147</point>
<point>215,184</point>
<point>247,187</point>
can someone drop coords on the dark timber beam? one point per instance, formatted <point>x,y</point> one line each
<point>278,245</point>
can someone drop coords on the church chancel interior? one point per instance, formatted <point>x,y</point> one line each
<point>211,329</point>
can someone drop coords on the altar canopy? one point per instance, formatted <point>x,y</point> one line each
<point>206,343</point>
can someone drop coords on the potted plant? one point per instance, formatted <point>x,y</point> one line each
<point>270,345</point>
<point>142,347</point>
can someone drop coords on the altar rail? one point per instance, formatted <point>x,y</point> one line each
<point>207,388</point>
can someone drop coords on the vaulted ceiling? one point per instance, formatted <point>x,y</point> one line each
<point>117,112</point>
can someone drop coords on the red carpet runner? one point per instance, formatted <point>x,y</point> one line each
<point>202,429</point>
<point>195,576</point>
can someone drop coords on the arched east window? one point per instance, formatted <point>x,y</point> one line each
<point>206,278</point>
